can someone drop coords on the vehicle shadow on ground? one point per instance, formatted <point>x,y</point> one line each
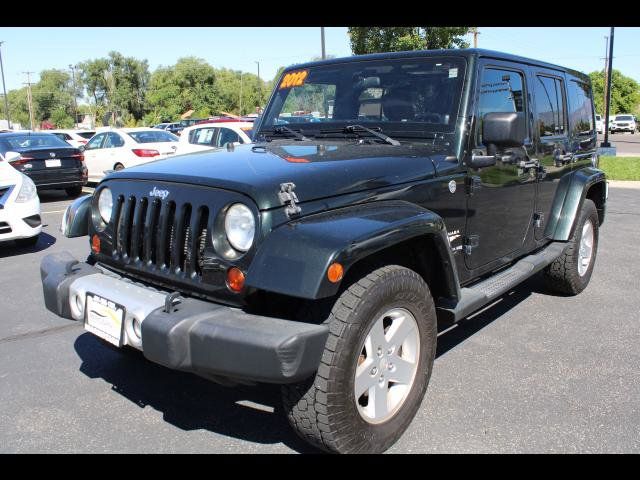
<point>188,401</point>
<point>458,333</point>
<point>12,249</point>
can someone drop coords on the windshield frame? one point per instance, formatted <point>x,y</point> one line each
<point>416,131</point>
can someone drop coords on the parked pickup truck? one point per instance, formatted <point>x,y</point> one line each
<point>322,257</point>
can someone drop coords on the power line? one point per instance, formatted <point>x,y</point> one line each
<point>29,99</point>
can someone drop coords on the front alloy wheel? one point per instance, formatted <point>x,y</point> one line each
<point>375,367</point>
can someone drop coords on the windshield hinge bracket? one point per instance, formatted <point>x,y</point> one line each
<point>289,199</point>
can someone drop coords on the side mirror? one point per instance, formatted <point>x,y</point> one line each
<point>503,130</point>
<point>12,156</point>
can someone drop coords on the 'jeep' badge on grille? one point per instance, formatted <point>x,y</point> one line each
<point>159,193</point>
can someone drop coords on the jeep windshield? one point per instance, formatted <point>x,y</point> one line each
<point>403,98</point>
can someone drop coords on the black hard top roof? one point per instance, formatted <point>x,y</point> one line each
<point>459,52</point>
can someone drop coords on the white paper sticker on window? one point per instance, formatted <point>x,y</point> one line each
<point>453,72</point>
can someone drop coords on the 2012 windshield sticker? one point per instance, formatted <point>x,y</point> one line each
<point>293,79</point>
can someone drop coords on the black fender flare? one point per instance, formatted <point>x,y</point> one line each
<point>570,194</point>
<point>293,259</point>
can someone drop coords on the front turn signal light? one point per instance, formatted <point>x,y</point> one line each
<point>235,279</point>
<point>335,272</point>
<point>95,243</point>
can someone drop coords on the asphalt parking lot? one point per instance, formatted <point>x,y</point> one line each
<point>533,373</point>
<point>627,145</point>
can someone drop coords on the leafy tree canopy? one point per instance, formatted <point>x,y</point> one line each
<point>625,93</point>
<point>396,39</point>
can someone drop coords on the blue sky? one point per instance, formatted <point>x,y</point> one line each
<point>36,49</point>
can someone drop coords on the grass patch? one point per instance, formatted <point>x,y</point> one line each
<point>621,168</point>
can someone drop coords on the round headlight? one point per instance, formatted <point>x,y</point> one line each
<point>240,227</point>
<point>105,204</point>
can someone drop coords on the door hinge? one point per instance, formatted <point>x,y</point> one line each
<point>470,242</point>
<point>538,219</point>
<point>289,199</point>
<point>474,183</point>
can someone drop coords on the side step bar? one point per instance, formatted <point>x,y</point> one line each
<point>475,297</point>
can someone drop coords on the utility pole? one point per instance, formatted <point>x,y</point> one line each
<point>259,84</point>
<point>241,74</point>
<point>475,36</point>
<point>4,88</point>
<point>29,98</point>
<point>322,42</point>
<point>608,99</point>
<point>75,103</point>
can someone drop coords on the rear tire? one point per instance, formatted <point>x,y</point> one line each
<point>73,192</point>
<point>393,307</point>
<point>118,166</point>
<point>570,273</point>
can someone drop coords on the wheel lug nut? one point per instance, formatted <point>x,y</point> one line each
<point>374,371</point>
<point>390,351</point>
<point>379,351</point>
<point>390,366</point>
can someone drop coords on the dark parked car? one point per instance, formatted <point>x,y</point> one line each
<point>422,187</point>
<point>48,160</point>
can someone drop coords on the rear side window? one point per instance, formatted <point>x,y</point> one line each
<point>580,108</point>
<point>113,141</point>
<point>500,91</point>
<point>550,106</point>
<point>150,136</point>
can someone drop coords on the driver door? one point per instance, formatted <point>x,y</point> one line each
<point>501,197</point>
<point>92,152</point>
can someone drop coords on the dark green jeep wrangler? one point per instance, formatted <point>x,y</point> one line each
<point>383,193</point>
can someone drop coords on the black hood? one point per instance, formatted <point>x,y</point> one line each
<point>258,170</point>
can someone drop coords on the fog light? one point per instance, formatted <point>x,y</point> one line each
<point>235,279</point>
<point>137,327</point>
<point>95,243</point>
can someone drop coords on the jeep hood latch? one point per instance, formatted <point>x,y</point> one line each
<point>288,198</point>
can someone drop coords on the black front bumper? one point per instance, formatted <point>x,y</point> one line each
<point>204,337</point>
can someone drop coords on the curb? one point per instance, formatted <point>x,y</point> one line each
<point>624,184</point>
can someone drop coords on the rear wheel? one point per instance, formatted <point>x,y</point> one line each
<point>73,192</point>
<point>375,367</point>
<point>118,166</point>
<point>570,273</point>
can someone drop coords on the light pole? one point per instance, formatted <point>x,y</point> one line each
<point>75,103</point>
<point>322,42</point>
<point>606,143</point>
<point>4,88</point>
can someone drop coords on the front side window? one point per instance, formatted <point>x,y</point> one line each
<point>580,108</point>
<point>550,106</point>
<point>500,91</point>
<point>95,142</point>
<point>227,136</point>
<point>203,136</point>
<point>395,95</point>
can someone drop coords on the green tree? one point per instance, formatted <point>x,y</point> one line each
<point>625,93</point>
<point>53,93</point>
<point>396,39</point>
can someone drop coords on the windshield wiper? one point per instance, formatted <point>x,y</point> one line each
<point>282,129</point>
<point>382,136</point>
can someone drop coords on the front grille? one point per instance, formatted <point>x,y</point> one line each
<point>164,234</point>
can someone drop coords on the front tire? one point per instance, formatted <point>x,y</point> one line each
<point>375,367</point>
<point>570,273</point>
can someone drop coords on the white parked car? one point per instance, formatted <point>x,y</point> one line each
<point>203,136</point>
<point>599,124</point>
<point>19,207</point>
<point>623,123</point>
<point>75,138</point>
<point>118,148</point>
